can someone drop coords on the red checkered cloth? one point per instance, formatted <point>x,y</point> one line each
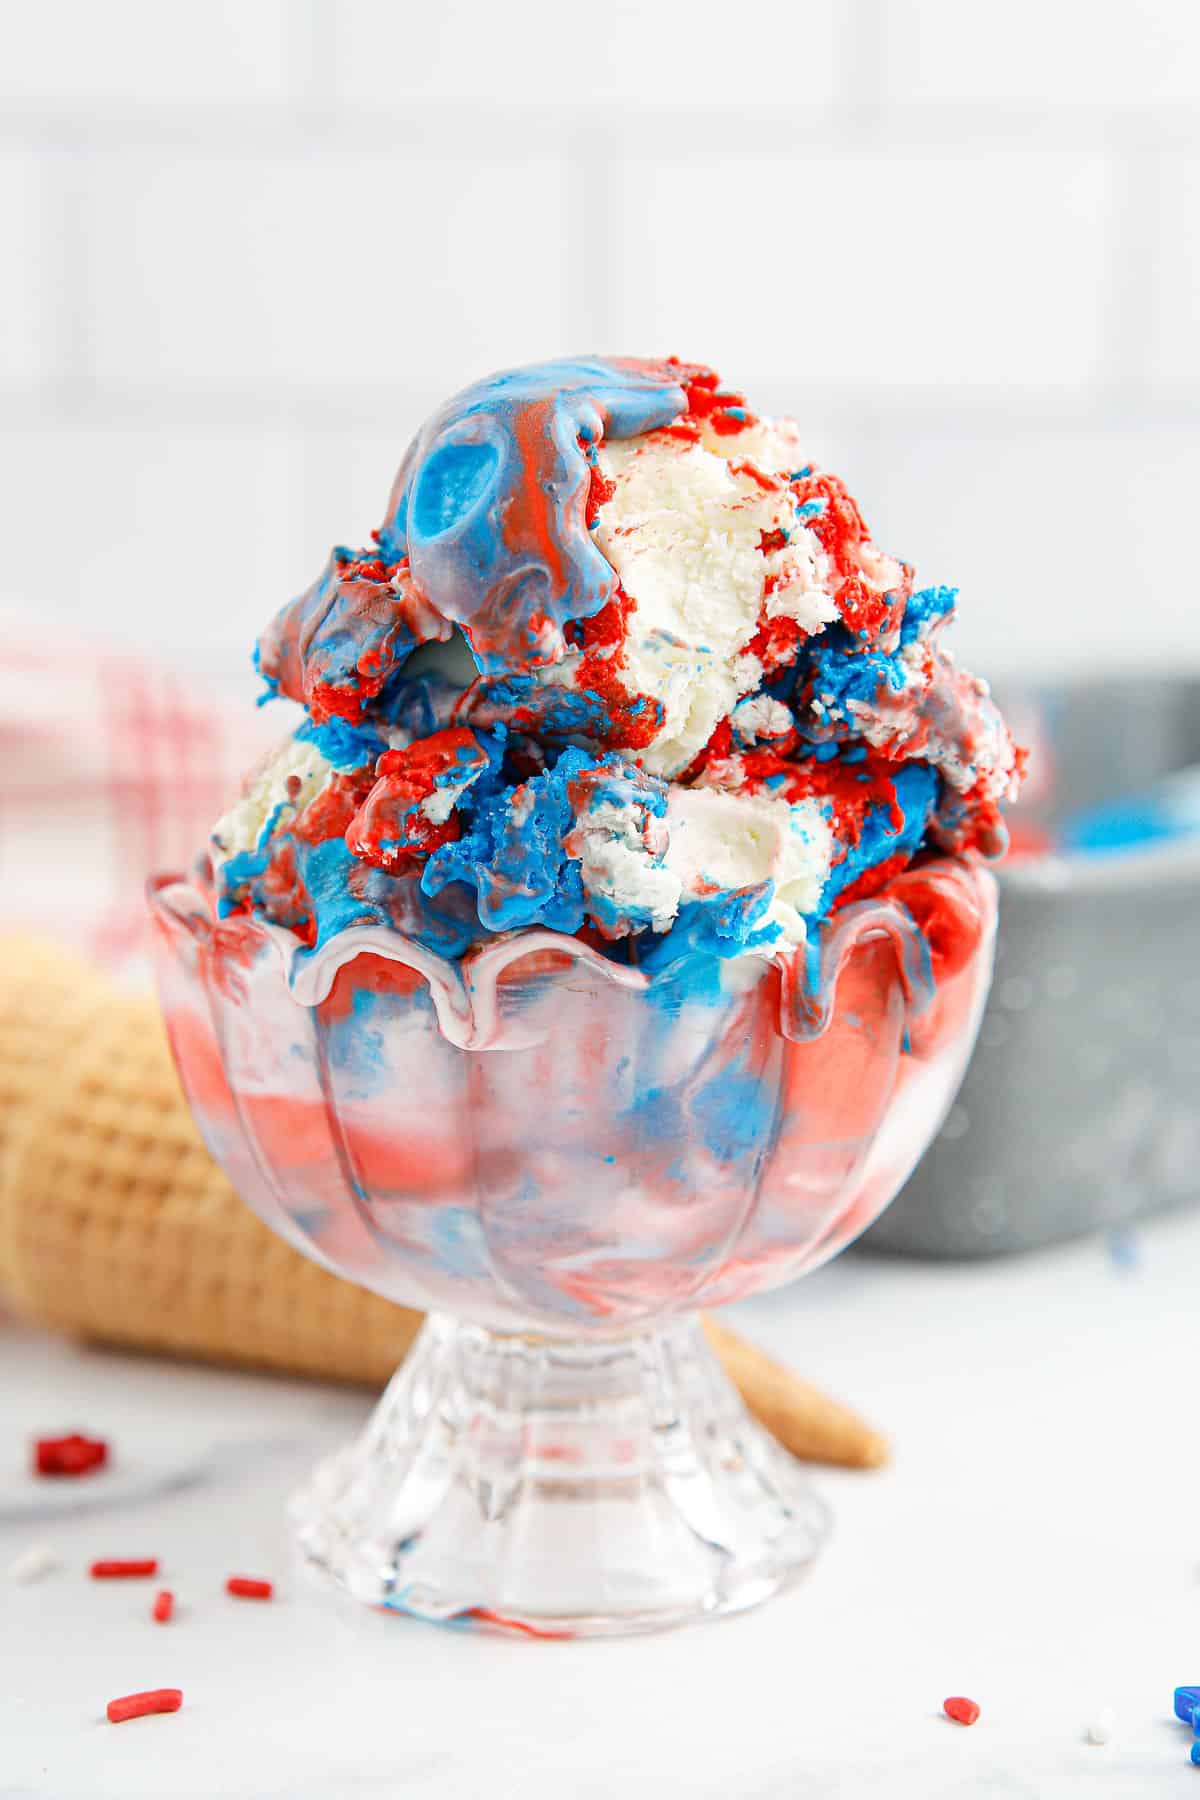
<point>110,769</point>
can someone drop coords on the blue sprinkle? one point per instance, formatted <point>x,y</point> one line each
<point>1187,1699</point>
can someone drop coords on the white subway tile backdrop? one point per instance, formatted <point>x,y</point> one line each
<point>245,244</point>
<point>1060,54</point>
<point>623,53</point>
<point>324,270</point>
<point>128,52</point>
<point>863,270</point>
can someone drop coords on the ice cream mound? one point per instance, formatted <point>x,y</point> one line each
<point>622,662</point>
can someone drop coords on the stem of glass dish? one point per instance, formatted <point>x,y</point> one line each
<point>561,1487</point>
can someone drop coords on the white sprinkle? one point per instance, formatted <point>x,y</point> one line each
<point>33,1563</point>
<point>1101,1728</point>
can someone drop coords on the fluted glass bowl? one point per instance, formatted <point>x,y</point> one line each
<point>562,1160</point>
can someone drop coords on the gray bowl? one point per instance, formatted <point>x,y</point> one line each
<point>1081,1107</point>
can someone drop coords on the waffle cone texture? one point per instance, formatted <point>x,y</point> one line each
<point>115,1223</point>
<point>117,1226</point>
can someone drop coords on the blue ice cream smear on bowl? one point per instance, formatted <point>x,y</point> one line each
<point>622,663</point>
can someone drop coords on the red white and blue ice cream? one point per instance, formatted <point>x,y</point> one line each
<point>622,662</point>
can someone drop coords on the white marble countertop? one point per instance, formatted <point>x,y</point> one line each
<point>1036,1545</point>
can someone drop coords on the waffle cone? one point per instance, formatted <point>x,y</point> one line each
<point>801,1417</point>
<point>116,1225</point>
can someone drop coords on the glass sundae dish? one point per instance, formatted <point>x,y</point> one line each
<point>605,943</point>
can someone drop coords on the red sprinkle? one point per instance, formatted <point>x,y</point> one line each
<point>71,1455</point>
<point>245,1587</point>
<point>164,1606</point>
<point>963,1712</point>
<point>117,1569</point>
<point>136,1706</point>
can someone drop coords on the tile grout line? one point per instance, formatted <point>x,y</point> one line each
<point>591,243</point>
<point>1134,234</point>
<point>415,124</point>
<point>864,65</point>
<point>312,57</point>
<point>70,377</point>
<point>286,406</point>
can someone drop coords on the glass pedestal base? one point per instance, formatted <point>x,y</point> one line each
<point>561,1488</point>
